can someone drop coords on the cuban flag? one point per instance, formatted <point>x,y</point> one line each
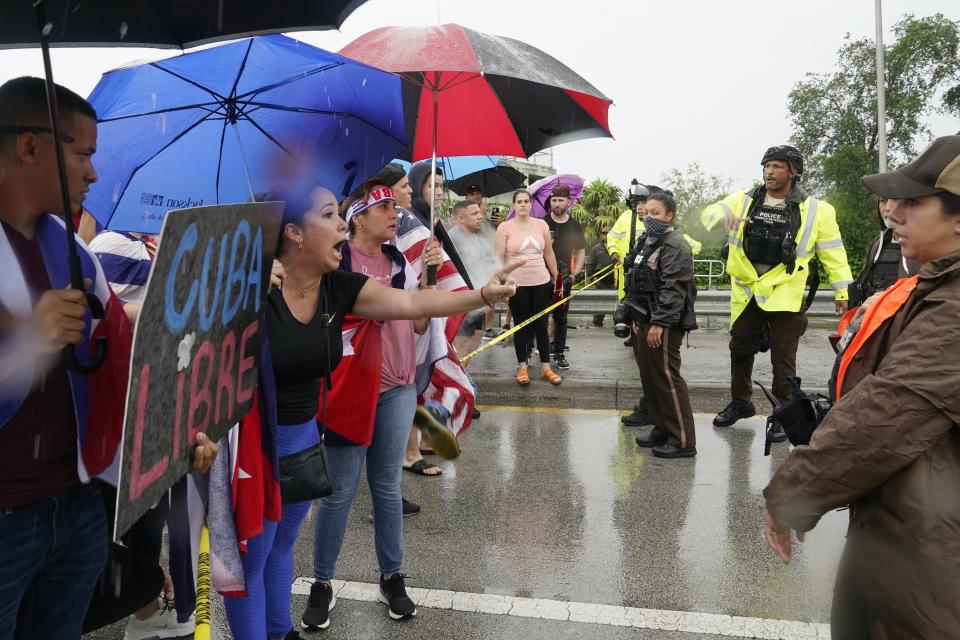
<point>352,407</point>
<point>440,375</point>
<point>240,492</point>
<point>99,398</point>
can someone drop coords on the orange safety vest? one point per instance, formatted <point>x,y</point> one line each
<point>883,308</point>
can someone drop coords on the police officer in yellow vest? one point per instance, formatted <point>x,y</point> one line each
<point>773,231</point>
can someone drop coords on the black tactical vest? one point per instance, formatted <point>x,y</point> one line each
<point>642,281</point>
<point>765,232</point>
<point>885,270</point>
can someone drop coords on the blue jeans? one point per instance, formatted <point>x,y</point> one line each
<point>51,554</point>
<point>268,563</point>
<point>384,458</point>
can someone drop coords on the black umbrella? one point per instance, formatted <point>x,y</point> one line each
<point>492,181</point>
<point>167,24</point>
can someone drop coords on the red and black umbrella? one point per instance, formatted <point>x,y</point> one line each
<point>472,93</point>
<point>495,95</point>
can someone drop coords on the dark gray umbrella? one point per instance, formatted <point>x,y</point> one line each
<point>492,181</point>
<point>167,24</point>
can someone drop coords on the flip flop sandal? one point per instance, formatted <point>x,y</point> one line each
<point>551,377</point>
<point>523,377</point>
<point>427,452</point>
<point>420,468</point>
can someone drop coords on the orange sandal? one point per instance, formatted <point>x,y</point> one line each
<point>551,377</point>
<point>522,376</point>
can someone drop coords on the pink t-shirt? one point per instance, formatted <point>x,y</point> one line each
<point>528,244</point>
<point>398,359</point>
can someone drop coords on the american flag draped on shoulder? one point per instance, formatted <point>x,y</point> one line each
<point>440,376</point>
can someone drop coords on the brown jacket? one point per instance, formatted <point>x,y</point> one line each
<point>891,448</point>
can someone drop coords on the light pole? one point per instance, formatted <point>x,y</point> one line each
<point>881,93</point>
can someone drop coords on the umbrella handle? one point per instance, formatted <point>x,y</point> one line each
<point>73,260</point>
<point>99,343</point>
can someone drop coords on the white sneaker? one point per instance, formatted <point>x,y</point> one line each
<point>160,625</point>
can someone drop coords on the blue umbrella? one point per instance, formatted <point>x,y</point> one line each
<point>222,125</point>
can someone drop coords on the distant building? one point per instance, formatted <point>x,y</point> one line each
<point>536,167</point>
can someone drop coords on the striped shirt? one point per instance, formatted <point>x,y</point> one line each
<point>126,261</point>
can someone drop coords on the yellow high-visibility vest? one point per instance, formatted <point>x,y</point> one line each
<point>777,290</point>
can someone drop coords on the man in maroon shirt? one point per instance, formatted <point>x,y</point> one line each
<point>53,527</point>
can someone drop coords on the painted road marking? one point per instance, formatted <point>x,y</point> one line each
<point>655,619</point>
<point>558,410</point>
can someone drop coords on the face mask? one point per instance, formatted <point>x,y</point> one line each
<point>655,227</point>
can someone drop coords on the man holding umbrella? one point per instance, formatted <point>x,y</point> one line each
<point>570,247</point>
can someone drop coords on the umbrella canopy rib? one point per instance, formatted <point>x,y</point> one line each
<point>161,150</point>
<point>196,84</point>
<point>290,80</point>
<point>243,65</point>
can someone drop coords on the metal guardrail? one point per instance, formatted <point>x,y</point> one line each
<point>710,275</point>
<point>710,302</point>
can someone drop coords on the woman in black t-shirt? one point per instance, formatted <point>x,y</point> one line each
<point>304,319</point>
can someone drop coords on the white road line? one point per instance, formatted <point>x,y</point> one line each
<point>657,619</point>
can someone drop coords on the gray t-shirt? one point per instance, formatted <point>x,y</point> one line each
<point>476,251</point>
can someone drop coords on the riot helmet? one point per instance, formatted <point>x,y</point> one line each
<point>786,153</point>
<point>636,193</point>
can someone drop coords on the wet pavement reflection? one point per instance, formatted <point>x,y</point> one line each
<point>564,506</point>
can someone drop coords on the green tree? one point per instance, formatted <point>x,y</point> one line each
<point>834,115</point>
<point>693,189</point>
<point>601,203</point>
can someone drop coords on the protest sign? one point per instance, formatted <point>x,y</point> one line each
<point>196,345</point>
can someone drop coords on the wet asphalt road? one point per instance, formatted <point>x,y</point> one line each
<point>562,505</point>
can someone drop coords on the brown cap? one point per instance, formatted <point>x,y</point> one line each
<point>561,191</point>
<point>935,170</point>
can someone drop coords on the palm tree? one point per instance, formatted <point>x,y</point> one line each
<point>600,205</point>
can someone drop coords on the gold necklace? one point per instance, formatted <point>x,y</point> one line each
<point>303,292</point>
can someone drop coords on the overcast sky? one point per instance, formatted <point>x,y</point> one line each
<point>691,81</point>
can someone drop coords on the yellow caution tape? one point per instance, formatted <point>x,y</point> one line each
<point>597,277</point>
<point>202,631</point>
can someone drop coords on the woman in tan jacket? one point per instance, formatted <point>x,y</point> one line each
<point>890,446</point>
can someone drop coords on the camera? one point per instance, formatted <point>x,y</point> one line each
<point>627,312</point>
<point>621,322</point>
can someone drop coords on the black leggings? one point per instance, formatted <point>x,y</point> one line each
<point>529,301</point>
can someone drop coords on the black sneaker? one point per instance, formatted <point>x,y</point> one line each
<point>636,419</point>
<point>293,635</point>
<point>409,508</point>
<point>476,414</point>
<point>561,362</point>
<point>733,412</point>
<point>670,451</point>
<point>322,600</point>
<point>653,439</point>
<point>394,594</point>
